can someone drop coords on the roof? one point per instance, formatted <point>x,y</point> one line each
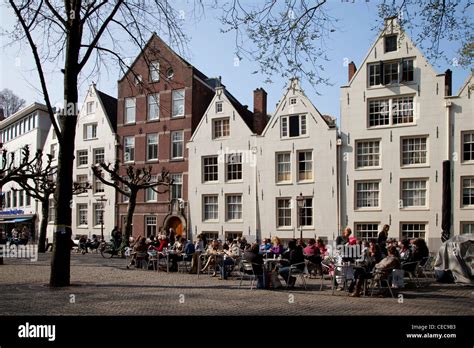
<point>110,108</point>
<point>330,120</point>
<point>21,113</point>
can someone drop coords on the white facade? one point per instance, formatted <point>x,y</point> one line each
<point>394,131</point>
<point>297,155</point>
<point>29,126</point>
<point>462,155</point>
<point>95,141</point>
<point>222,157</point>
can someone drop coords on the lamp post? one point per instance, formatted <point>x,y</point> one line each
<point>300,204</point>
<point>102,201</point>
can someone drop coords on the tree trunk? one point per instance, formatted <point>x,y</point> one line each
<point>61,259</point>
<point>132,202</point>
<point>43,226</point>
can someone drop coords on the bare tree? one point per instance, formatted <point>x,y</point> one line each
<point>72,34</point>
<point>11,168</point>
<point>136,179</point>
<point>10,102</point>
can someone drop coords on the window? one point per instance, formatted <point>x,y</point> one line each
<point>178,103</point>
<point>305,165</point>
<point>14,199</point>
<point>283,161</point>
<point>150,193</point>
<point>82,214</point>
<point>468,191</point>
<point>234,166</point>
<point>292,101</point>
<point>90,107</point>
<point>385,112</point>
<point>297,126</point>
<point>210,168</point>
<point>306,213</point>
<point>379,112</point>
<point>125,198</point>
<point>375,74</point>
<point>390,43</point>
<point>468,146</point>
<point>82,181</point>
<point>366,230</point>
<point>467,227</point>
<point>210,208</point>
<point>407,70</point>
<point>211,235</point>
<point>413,230</point>
<point>177,187</point>
<point>367,153</point>
<point>219,107</point>
<point>177,144</point>
<point>390,72</point>
<point>129,149</point>
<point>367,194</point>
<point>414,151</point>
<point>153,107</point>
<point>234,207</point>
<point>99,155</point>
<point>221,128</point>
<point>283,212</point>
<point>52,211</point>
<point>154,71</point>
<point>8,199</point>
<point>169,73</point>
<point>150,226</point>
<point>152,147</point>
<point>28,199</point>
<point>98,185</point>
<point>98,214</point>
<point>20,198</point>
<point>90,131</point>
<point>53,151</point>
<point>130,106</point>
<point>233,235</point>
<point>413,193</point>
<point>402,110</point>
<point>82,158</point>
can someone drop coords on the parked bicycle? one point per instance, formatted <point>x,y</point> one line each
<point>109,250</point>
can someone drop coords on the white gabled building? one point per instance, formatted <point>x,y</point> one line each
<point>462,156</point>
<point>222,154</point>
<point>29,126</point>
<point>394,131</point>
<point>298,156</point>
<point>95,142</point>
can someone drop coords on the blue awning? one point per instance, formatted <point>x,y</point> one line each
<point>21,219</point>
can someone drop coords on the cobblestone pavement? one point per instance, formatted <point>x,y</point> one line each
<point>105,287</point>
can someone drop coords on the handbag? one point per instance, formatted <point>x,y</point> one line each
<point>275,281</point>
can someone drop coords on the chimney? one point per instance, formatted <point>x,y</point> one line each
<point>448,82</point>
<point>260,117</point>
<point>352,70</point>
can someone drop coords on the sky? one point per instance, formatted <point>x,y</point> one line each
<point>212,52</point>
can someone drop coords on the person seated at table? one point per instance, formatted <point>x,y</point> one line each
<point>366,263</point>
<point>300,242</point>
<point>277,247</point>
<point>382,270</point>
<point>177,253</point>
<point>139,247</point>
<point>295,256</point>
<point>322,247</point>
<point>93,243</point>
<point>265,246</point>
<point>420,251</point>
<point>243,244</point>
<point>83,244</point>
<point>199,248</point>
<point>344,238</point>
<point>406,253</point>
<point>313,255</point>
<point>213,251</point>
<point>253,256</point>
<point>230,257</point>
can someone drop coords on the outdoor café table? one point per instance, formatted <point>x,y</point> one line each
<point>205,256</point>
<point>271,264</point>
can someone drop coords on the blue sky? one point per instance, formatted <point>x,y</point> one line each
<point>213,53</point>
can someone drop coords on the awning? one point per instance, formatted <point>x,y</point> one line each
<point>12,221</point>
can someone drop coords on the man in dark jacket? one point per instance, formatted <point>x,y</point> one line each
<point>252,255</point>
<point>295,257</point>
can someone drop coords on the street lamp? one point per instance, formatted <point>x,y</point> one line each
<point>102,201</point>
<point>300,204</point>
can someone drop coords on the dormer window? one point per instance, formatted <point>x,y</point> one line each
<point>292,101</point>
<point>390,43</point>
<point>219,107</point>
<point>391,72</point>
<point>154,71</point>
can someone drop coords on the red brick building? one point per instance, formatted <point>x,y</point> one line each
<point>161,99</point>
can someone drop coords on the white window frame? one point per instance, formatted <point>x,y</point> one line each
<point>233,167</point>
<point>221,128</point>
<point>178,143</point>
<point>98,214</point>
<point>175,111</point>
<point>154,71</point>
<point>96,152</point>
<point>82,214</point>
<point>306,164</point>
<point>153,104</point>
<point>414,231</point>
<point>385,43</point>
<point>285,126</point>
<point>283,167</point>
<point>150,194</point>
<point>233,207</point>
<point>369,192</point>
<point>130,110</point>
<point>470,189</point>
<point>292,101</point>
<point>210,201</point>
<point>468,224</point>
<point>219,107</point>
<point>152,147</point>
<point>128,149</point>
<point>99,186</point>
<point>152,222</point>
<point>206,167</point>
<point>387,109</point>
<point>81,154</point>
<point>366,230</point>
<point>411,150</point>
<point>93,131</point>
<point>368,154</point>
<point>464,135</point>
<point>176,190</point>
<point>90,107</point>
<point>284,212</point>
<point>419,188</point>
<point>307,213</point>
